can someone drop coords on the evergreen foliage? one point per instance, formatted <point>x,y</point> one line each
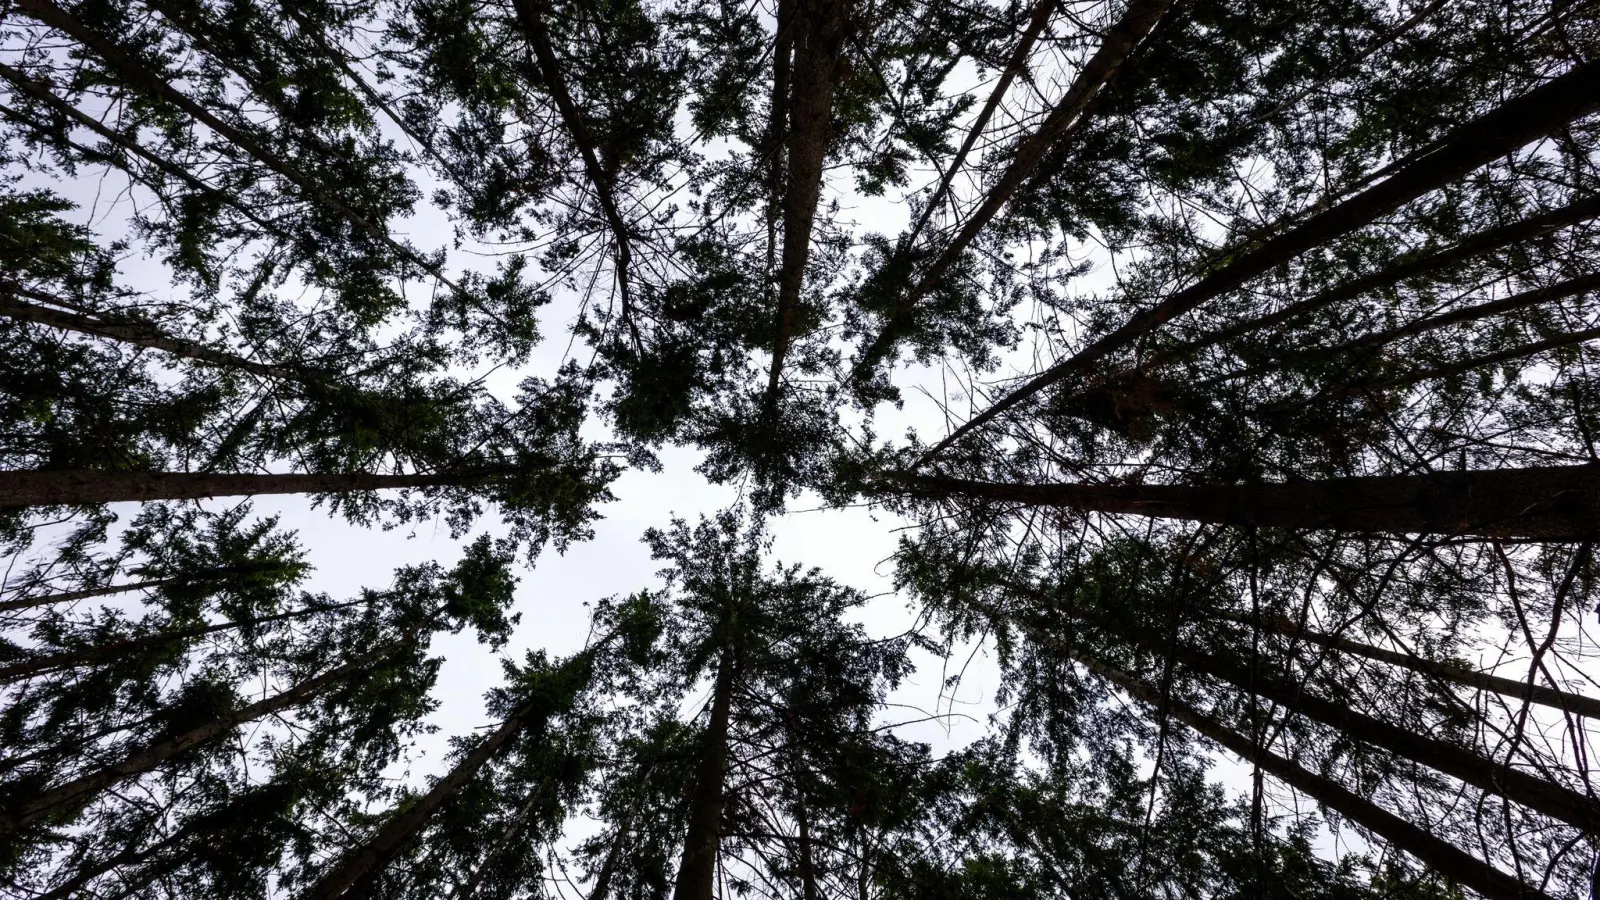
<point>1251,350</point>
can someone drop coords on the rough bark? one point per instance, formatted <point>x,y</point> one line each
<point>1439,855</point>
<point>1555,503</point>
<point>79,789</point>
<point>1065,120</point>
<point>1449,672</point>
<point>819,28</point>
<point>698,868</point>
<point>1527,118</point>
<point>77,487</point>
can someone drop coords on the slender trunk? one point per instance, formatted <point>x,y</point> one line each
<point>608,869</point>
<point>140,334</point>
<point>530,18</point>
<point>1496,778</point>
<point>1064,121</point>
<point>41,92</point>
<point>777,125</point>
<point>91,655</point>
<point>78,790</point>
<point>347,878</point>
<point>1014,66</point>
<point>138,74</point>
<point>697,870</point>
<point>1411,266</point>
<point>1521,351</point>
<point>521,822</point>
<point>1503,130</point>
<point>819,29</point>
<point>1451,672</point>
<point>70,596</point>
<point>1439,855</point>
<point>77,487</point>
<point>1556,503</point>
<point>1475,313</point>
<point>808,867</point>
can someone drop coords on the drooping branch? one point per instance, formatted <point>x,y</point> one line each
<point>1557,503</point>
<point>1512,125</point>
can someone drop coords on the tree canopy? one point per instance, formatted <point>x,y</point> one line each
<point>1240,360</point>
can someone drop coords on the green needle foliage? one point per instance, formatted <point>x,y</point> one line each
<point>1248,356</point>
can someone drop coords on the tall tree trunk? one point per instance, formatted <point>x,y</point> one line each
<point>698,868</point>
<point>1478,312</point>
<point>1556,503</point>
<point>802,818</point>
<point>75,487</point>
<point>79,789</point>
<point>778,124</point>
<point>1064,121</point>
<point>819,28</point>
<point>1037,20</point>
<point>530,19</point>
<point>1448,860</point>
<point>1563,99</point>
<point>139,334</point>
<point>1450,672</point>
<point>90,655</point>
<point>470,889</point>
<point>608,869</point>
<point>1407,267</point>
<point>70,596</point>
<point>1496,778</point>
<point>376,853</point>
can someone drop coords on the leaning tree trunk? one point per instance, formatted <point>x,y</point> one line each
<point>1555,503</point>
<point>90,593</point>
<point>698,868</point>
<point>1551,106</point>
<point>77,487</point>
<point>1536,793</point>
<point>1450,672</point>
<point>100,653</point>
<point>376,853</point>
<point>31,811</point>
<point>1443,857</point>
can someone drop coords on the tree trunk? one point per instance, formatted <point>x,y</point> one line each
<point>521,821</point>
<point>139,334</point>
<point>400,830</point>
<point>1552,105</point>
<point>1556,503</point>
<point>1439,855</point>
<point>1514,784</point>
<point>64,796</point>
<point>1475,313</point>
<point>1546,696</point>
<point>80,487</point>
<point>698,868</point>
<point>819,28</point>
<point>530,20</point>
<point>1014,66</point>
<point>70,596</point>
<point>91,655</point>
<point>1065,120</point>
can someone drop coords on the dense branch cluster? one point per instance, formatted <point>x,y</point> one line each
<point>1247,346</point>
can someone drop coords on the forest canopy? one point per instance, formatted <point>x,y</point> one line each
<point>1223,366</point>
